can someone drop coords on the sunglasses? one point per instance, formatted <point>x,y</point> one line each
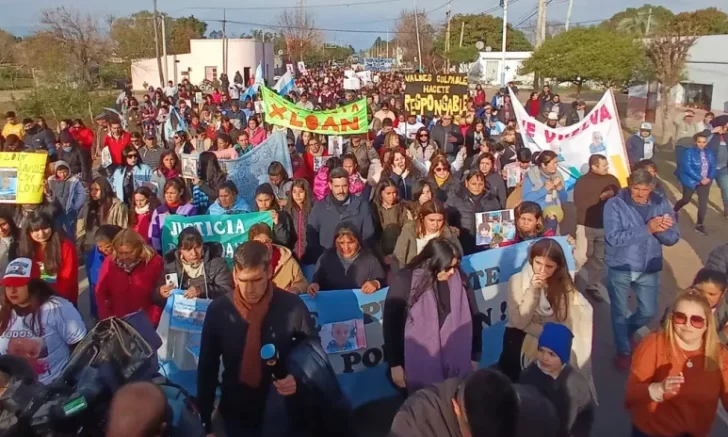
<point>424,136</point>
<point>679,318</point>
<point>132,156</point>
<point>438,169</point>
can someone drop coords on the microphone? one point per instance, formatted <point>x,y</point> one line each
<point>269,355</point>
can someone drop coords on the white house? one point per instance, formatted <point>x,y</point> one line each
<point>706,86</point>
<point>489,67</point>
<point>205,61</point>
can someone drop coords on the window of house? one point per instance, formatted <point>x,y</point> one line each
<point>697,95</point>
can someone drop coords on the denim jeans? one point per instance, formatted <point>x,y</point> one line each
<point>722,179</point>
<point>687,194</point>
<point>646,288</point>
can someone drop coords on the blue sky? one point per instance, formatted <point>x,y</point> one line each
<point>377,17</point>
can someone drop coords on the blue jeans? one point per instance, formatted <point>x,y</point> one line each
<point>722,179</point>
<point>646,287</point>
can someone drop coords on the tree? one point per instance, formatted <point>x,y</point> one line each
<point>298,29</point>
<point>76,40</point>
<point>710,21</point>
<point>478,27</point>
<point>407,38</point>
<point>667,52</point>
<point>8,47</point>
<point>181,30</point>
<point>586,54</point>
<point>133,36</point>
<point>634,20</point>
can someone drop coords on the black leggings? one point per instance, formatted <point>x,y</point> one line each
<point>510,359</point>
<point>703,192</point>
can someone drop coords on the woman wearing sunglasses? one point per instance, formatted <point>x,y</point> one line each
<point>679,373</point>
<point>130,175</point>
<point>421,149</point>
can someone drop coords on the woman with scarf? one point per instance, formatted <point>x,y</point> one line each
<point>200,269</point>
<point>399,170</point>
<point>472,198</point>
<point>287,273</point>
<point>485,163</point>
<point>314,150</point>
<point>441,177</point>
<point>140,216</point>
<point>205,188</point>
<point>542,292</point>
<point>170,167</point>
<point>129,176</point>
<point>544,185</point>
<point>265,200</point>
<point>422,149</point>
<point>475,135</point>
<point>176,202</point>
<point>256,134</point>
<point>431,287</point>
<point>299,208</point>
<point>54,254</point>
<point>390,214</point>
<point>128,278</point>
<point>237,325</point>
<point>347,265</point>
<point>104,208</point>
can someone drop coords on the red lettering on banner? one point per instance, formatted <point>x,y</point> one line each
<point>576,131</point>
<point>294,121</point>
<point>530,128</point>
<point>594,117</point>
<point>311,122</point>
<point>550,136</point>
<point>277,111</point>
<point>330,124</point>
<point>604,114</point>
<point>561,137</point>
<point>353,124</point>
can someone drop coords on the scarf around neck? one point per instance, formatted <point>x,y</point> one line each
<point>193,271</point>
<point>440,181</point>
<point>143,210</point>
<point>251,367</point>
<point>169,173</point>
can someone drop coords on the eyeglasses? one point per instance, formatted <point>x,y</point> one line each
<point>424,136</point>
<point>440,169</point>
<point>697,322</point>
<point>132,156</point>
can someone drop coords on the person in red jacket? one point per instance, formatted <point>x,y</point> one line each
<point>83,135</point>
<point>128,278</point>
<point>116,141</point>
<point>314,149</point>
<point>300,171</point>
<point>54,254</point>
<point>140,217</point>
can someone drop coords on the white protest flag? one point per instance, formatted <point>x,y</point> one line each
<point>599,132</point>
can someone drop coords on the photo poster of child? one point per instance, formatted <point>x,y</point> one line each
<point>513,175</point>
<point>189,166</point>
<point>8,185</point>
<point>336,145</point>
<point>345,336</point>
<point>318,162</point>
<point>495,227</point>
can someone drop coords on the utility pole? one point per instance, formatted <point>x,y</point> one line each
<point>164,48</point>
<point>568,15</point>
<point>387,43</point>
<point>417,32</point>
<point>504,3</point>
<point>543,20</point>
<point>447,35</point>
<point>462,32</point>
<point>156,45</point>
<point>649,22</point>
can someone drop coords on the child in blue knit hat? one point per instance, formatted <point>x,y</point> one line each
<point>561,383</point>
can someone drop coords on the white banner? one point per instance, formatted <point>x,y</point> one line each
<point>599,132</point>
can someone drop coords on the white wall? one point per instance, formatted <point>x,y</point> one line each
<point>207,53</point>
<point>707,64</point>
<point>491,66</point>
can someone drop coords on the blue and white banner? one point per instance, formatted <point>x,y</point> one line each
<point>285,84</point>
<point>363,373</point>
<point>251,169</point>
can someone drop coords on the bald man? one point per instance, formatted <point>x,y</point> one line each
<point>138,410</point>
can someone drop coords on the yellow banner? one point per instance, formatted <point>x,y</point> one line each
<point>21,177</point>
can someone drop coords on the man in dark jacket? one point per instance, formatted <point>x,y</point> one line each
<point>448,137</point>
<point>483,404</point>
<point>338,206</point>
<point>38,138</point>
<point>71,153</point>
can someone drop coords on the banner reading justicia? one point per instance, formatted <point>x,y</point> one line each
<point>599,132</point>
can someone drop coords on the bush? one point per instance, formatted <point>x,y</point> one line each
<point>56,102</point>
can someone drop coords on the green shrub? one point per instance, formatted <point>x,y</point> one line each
<point>56,102</point>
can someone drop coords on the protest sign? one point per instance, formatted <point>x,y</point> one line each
<point>435,94</point>
<point>599,132</point>
<point>336,145</point>
<point>364,76</point>
<point>21,177</point>
<point>301,68</point>
<point>251,169</point>
<point>349,119</point>
<point>363,373</point>
<point>352,83</point>
<point>290,69</point>
<point>228,230</point>
<point>189,166</point>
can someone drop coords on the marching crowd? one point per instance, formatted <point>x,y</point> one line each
<point>396,208</point>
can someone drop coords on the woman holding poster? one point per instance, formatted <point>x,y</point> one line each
<point>417,348</point>
<point>544,185</point>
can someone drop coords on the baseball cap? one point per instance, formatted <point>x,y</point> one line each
<point>19,272</point>
<point>645,126</point>
<point>553,116</point>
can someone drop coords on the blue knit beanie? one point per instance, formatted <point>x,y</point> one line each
<point>557,338</point>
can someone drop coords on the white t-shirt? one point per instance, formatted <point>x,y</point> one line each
<point>48,354</point>
<point>422,242</point>
<point>409,130</point>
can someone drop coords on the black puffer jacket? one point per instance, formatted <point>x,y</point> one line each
<point>461,209</point>
<point>216,280</point>
<point>447,190</point>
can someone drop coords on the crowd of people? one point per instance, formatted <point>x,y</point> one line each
<point>397,208</point>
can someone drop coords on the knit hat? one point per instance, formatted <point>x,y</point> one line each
<point>65,137</point>
<point>557,338</point>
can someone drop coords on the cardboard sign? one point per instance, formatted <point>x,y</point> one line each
<point>435,94</point>
<point>352,84</point>
<point>21,177</point>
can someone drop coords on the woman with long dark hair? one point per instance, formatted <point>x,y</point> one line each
<point>475,135</point>
<point>176,201</point>
<point>431,287</point>
<point>265,200</point>
<point>390,214</point>
<point>299,208</point>
<point>54,253</point>
<point>486,164</point>
<point>35,323</point>
<point>422,191</point>
<point>399,169</point>
<point>9,239</point>
<point>169,167</point>
<point>205,188</point>
<point>140,216</point>
<point>472,198</point>
<point>130,175</point>
<point>542,292</point>
<point>104,208</point>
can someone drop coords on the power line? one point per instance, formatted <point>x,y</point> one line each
<point>276,26</point>
<point>333,5</point>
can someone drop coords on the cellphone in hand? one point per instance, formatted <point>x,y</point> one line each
<point>171,279</point>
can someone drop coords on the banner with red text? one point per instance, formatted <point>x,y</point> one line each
<point>599,132</point>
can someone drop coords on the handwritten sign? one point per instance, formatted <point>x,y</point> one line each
<point>435,94</point>
<point>21,177</point>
